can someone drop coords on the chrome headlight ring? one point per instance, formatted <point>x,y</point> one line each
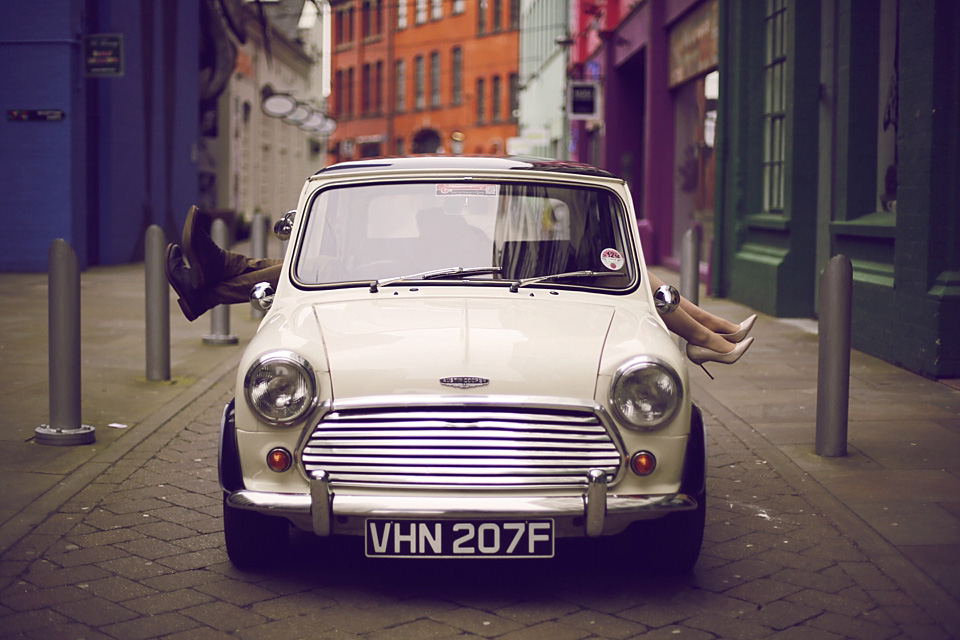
<point>645,393</point>
<point>280,387</point>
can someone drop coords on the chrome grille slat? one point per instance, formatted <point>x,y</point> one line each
<point>475,447</point>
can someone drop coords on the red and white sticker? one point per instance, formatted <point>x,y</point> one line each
<point>611,259</point>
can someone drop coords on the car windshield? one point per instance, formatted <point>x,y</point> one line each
<point>363,233</point>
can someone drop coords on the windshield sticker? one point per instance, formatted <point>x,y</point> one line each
<point>468,190</point>
<point>611,259</point>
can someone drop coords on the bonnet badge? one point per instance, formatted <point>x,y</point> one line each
<point>464,382</point>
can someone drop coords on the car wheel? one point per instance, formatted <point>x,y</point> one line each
<point>253,539</point>
<point>674,541</point>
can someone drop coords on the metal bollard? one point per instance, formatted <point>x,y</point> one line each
<point>64,351</point>
<point>157,305</point>
<point>833,367</point>
<point>258,249</point>
<point>220,315</point>
<point>690,265</point>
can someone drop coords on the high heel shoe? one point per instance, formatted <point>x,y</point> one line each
<point>699,355</point>
<point>741,333</point>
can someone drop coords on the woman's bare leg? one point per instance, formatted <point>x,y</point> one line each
<point>681,323</point>
<point>706,319</point>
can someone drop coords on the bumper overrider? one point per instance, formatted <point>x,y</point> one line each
<point>593,513</point>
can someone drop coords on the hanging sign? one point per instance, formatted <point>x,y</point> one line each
<point>583,100</point>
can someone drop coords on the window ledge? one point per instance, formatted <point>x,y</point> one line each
<point>881,224</point>
<point>768,221</point>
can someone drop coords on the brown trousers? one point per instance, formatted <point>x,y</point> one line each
<point>240,273</point>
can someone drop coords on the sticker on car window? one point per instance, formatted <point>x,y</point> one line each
<point>468,189</point>
<point>611,259</point>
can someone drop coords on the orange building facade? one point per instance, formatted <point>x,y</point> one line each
<point>423,76</point>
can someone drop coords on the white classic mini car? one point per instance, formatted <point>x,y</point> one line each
<point>462,358</point>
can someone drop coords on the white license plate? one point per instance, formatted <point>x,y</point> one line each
<point>452,539</point>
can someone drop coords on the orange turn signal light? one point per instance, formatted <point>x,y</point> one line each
<point>279,459</point>
<point>643,463</point>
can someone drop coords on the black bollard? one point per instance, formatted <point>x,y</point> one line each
<point>157,305</point>
<point>63,299</point>
<point>833,367</point>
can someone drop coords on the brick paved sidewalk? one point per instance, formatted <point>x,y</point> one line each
<point>139,554</point>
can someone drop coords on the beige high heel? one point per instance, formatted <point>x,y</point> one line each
<point>699,355</point>
<point>741,332</point>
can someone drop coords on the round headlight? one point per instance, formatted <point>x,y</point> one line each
<point>280,387</point>
<point>645,393</point>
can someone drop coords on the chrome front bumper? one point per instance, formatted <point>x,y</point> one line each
<point>592,514</point>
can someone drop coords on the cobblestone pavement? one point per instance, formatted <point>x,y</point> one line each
<point>139,554</point>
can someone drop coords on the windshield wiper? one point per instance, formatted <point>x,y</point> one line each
<point>557,276</point>
<point>459,272</point>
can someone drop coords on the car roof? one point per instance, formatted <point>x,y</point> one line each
<point>466,163</point>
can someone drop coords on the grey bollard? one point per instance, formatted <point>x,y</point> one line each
<point>690,266</point>
<point>220,315</point>
<point>258,249</point>
<point>833,367</point>
<point>64,351</point>
<point>157,304</point>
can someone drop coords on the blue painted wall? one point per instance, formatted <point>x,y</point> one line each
<point>122,159</point>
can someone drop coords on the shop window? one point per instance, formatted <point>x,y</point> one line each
<point>774,105</point>
<point>889,89</point>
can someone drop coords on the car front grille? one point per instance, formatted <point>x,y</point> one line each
<point>460,447</point>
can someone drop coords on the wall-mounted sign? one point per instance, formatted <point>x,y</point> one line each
<point>694,44</point>
<point>103,55</point>
<point>36,115</point>
<point>583,100</point>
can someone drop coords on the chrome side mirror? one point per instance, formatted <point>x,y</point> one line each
<point>284,226</point>
<point>261,296</point>
<point>666,298</point>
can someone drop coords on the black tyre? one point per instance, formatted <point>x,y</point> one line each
<point>673,543</point>
<point>253,539</point>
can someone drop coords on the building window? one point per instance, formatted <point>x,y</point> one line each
<point>338,94</point>
<point>401,147</point>
<point>378,87</point>
<point>495,99</point>
<point>402,15</point>
<point>482,18</point>
<point>366,89</point>
<point>481,100</point>
<point>435,79</point>
<point>774,104</point>
<point>889,91</point>
<point>514,96</point>
<point>401,86</point>
<point>456,75</point>
<point>366,18</point>
<point>421,11</point>
<point>436,10</point>
<point>418,82</point>
<point>348,93</point>
<point>459,6</point>
<point>514,14</point>
<point>497,15</point>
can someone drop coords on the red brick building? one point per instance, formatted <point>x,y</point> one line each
<point>423,76</point>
